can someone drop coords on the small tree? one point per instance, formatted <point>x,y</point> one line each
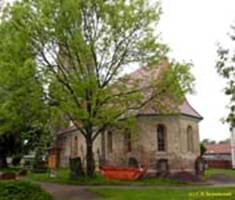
<point>84,47</point>
<point>202,149</point>
<point>208,141</point>
<point>226,141</point>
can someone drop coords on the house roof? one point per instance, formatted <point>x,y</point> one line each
<point>218,148</point>
<point>186,109</point>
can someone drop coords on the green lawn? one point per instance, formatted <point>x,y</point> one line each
<point>10,169</point>
<point>63,178</point>
<point>228,172</point>
<point>19,190</point>
<point>167,194</point>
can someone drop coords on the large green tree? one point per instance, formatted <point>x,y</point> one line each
<point>85,46</point>
<point>226,68</point>
<point>23,113</point>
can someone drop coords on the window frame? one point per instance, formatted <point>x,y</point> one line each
<point>189,135</point>
<point>110,141</point>
<point>161,139</point>
<point>127,141</point>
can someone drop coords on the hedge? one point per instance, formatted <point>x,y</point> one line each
<point>20,190</point>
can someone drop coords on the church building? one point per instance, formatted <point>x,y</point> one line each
<point>165,143</point>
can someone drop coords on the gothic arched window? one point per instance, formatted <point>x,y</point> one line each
<point>110,141</point>
<point>75,150</point>
<point>161,137</point>
<point>190,139</point>
<point>127,141</point>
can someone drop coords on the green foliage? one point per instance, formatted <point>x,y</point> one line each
<point>226,68</point>
<point>16,159</point>
<point>202,149</point>
<point>76,169</point>
<point>23,109</point>
<point>82,49</point>
<point>84,46</point>
<point>18,190</point>
<point>21,91</point>
<point>208,141</point>
<point>39,163</point>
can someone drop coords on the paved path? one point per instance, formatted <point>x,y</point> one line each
<point>69,192</point>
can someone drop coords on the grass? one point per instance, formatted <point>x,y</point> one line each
<point>20,190</point>
<point>228,172</point>
<point>63,178</point>
<point>17,190</point>
<point>10,169</point>
<point>168,194</point>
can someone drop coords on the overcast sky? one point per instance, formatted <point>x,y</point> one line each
<point>192,28</point>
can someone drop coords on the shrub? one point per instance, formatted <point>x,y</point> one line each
<point>76,170</point>
<point>202,149</point>
<point>39,166</point>
<point>16,159</point>
<point>19,190</point>
<point>28,164</point>
<point>8,176</point>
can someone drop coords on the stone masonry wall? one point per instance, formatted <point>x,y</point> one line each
<point>143,143</point>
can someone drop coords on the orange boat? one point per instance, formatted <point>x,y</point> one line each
<point>122,173</point>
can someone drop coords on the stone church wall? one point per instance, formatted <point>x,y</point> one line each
<point>143,145</point>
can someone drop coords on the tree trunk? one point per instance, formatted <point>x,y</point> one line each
<point>3,158</point>
<point>90,162</point>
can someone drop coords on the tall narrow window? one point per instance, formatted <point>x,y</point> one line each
<point>103,149</point>
<point>161,137</point>
<point>190,139</point>
<point>75,145</point>
<point>110,141</point>
<point>127,141</point>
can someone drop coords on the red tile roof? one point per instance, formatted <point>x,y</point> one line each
<point>218,148</point>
